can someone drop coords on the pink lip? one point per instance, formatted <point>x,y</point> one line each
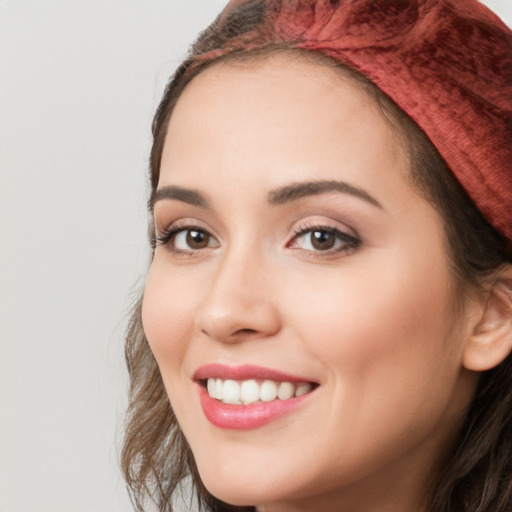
<point>245,417</point>
<point>244,372</point>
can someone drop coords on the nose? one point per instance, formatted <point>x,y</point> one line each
<point>239,303</point>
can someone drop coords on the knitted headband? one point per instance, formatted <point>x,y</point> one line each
<point>446,63</point>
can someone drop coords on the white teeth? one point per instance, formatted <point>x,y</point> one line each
<point>302,389</point>
<point>211,387</point>
<point>268,391</point>
<point>286,390</point>
<point>218,389</point>
<point>250,391</point>
<point>231,391</point>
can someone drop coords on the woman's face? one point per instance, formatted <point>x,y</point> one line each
<point>294,249</point>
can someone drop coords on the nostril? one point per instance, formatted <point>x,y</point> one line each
<point>245,331</point>
<point>240,333</point>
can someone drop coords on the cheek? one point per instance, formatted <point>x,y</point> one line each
<point>167,315</point>
<point>386,327</point>
<point>391,358</point>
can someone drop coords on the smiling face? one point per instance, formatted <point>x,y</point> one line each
<point>292,248</point>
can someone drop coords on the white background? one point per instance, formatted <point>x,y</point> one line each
<point>79,81</point>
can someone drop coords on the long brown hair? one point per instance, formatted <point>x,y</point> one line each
<point>477,477</point>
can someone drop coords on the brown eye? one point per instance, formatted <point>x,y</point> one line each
<point>197,239</point>
<point>189,239</point>
<point>325,239</point>
<point>322,240</point>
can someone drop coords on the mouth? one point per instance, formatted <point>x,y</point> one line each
<point>252,391</point>
<point>246,397</point>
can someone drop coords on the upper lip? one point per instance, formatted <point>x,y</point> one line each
<point>245,372</point>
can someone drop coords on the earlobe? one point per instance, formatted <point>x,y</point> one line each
<point>491,339</point>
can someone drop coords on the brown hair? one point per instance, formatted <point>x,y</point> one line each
<point>477,475</point>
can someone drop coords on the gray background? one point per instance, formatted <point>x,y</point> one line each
<point>79,80</point>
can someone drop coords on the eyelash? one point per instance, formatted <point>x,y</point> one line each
<point>165,237</point>
<point>350,242</point>
<point>170,233</point>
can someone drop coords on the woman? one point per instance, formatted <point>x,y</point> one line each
<point>327,320</point>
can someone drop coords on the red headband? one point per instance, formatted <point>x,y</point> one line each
<point>446,63</point>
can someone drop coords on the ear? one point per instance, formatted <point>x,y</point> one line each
<point>491,340</point>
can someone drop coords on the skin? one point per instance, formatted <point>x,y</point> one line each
<point>373,324</point>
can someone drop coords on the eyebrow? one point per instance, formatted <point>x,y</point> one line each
<point>186,195</point>
<point>296,191</point>
<point>276,197</point>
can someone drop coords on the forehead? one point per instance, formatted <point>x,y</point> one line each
<point>276,112</point>
<point>277,79</point>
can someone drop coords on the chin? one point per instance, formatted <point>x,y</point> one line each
<point>242,488</point>
<point>235,493</point>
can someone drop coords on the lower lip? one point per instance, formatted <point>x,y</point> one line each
<point>245,417</point>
